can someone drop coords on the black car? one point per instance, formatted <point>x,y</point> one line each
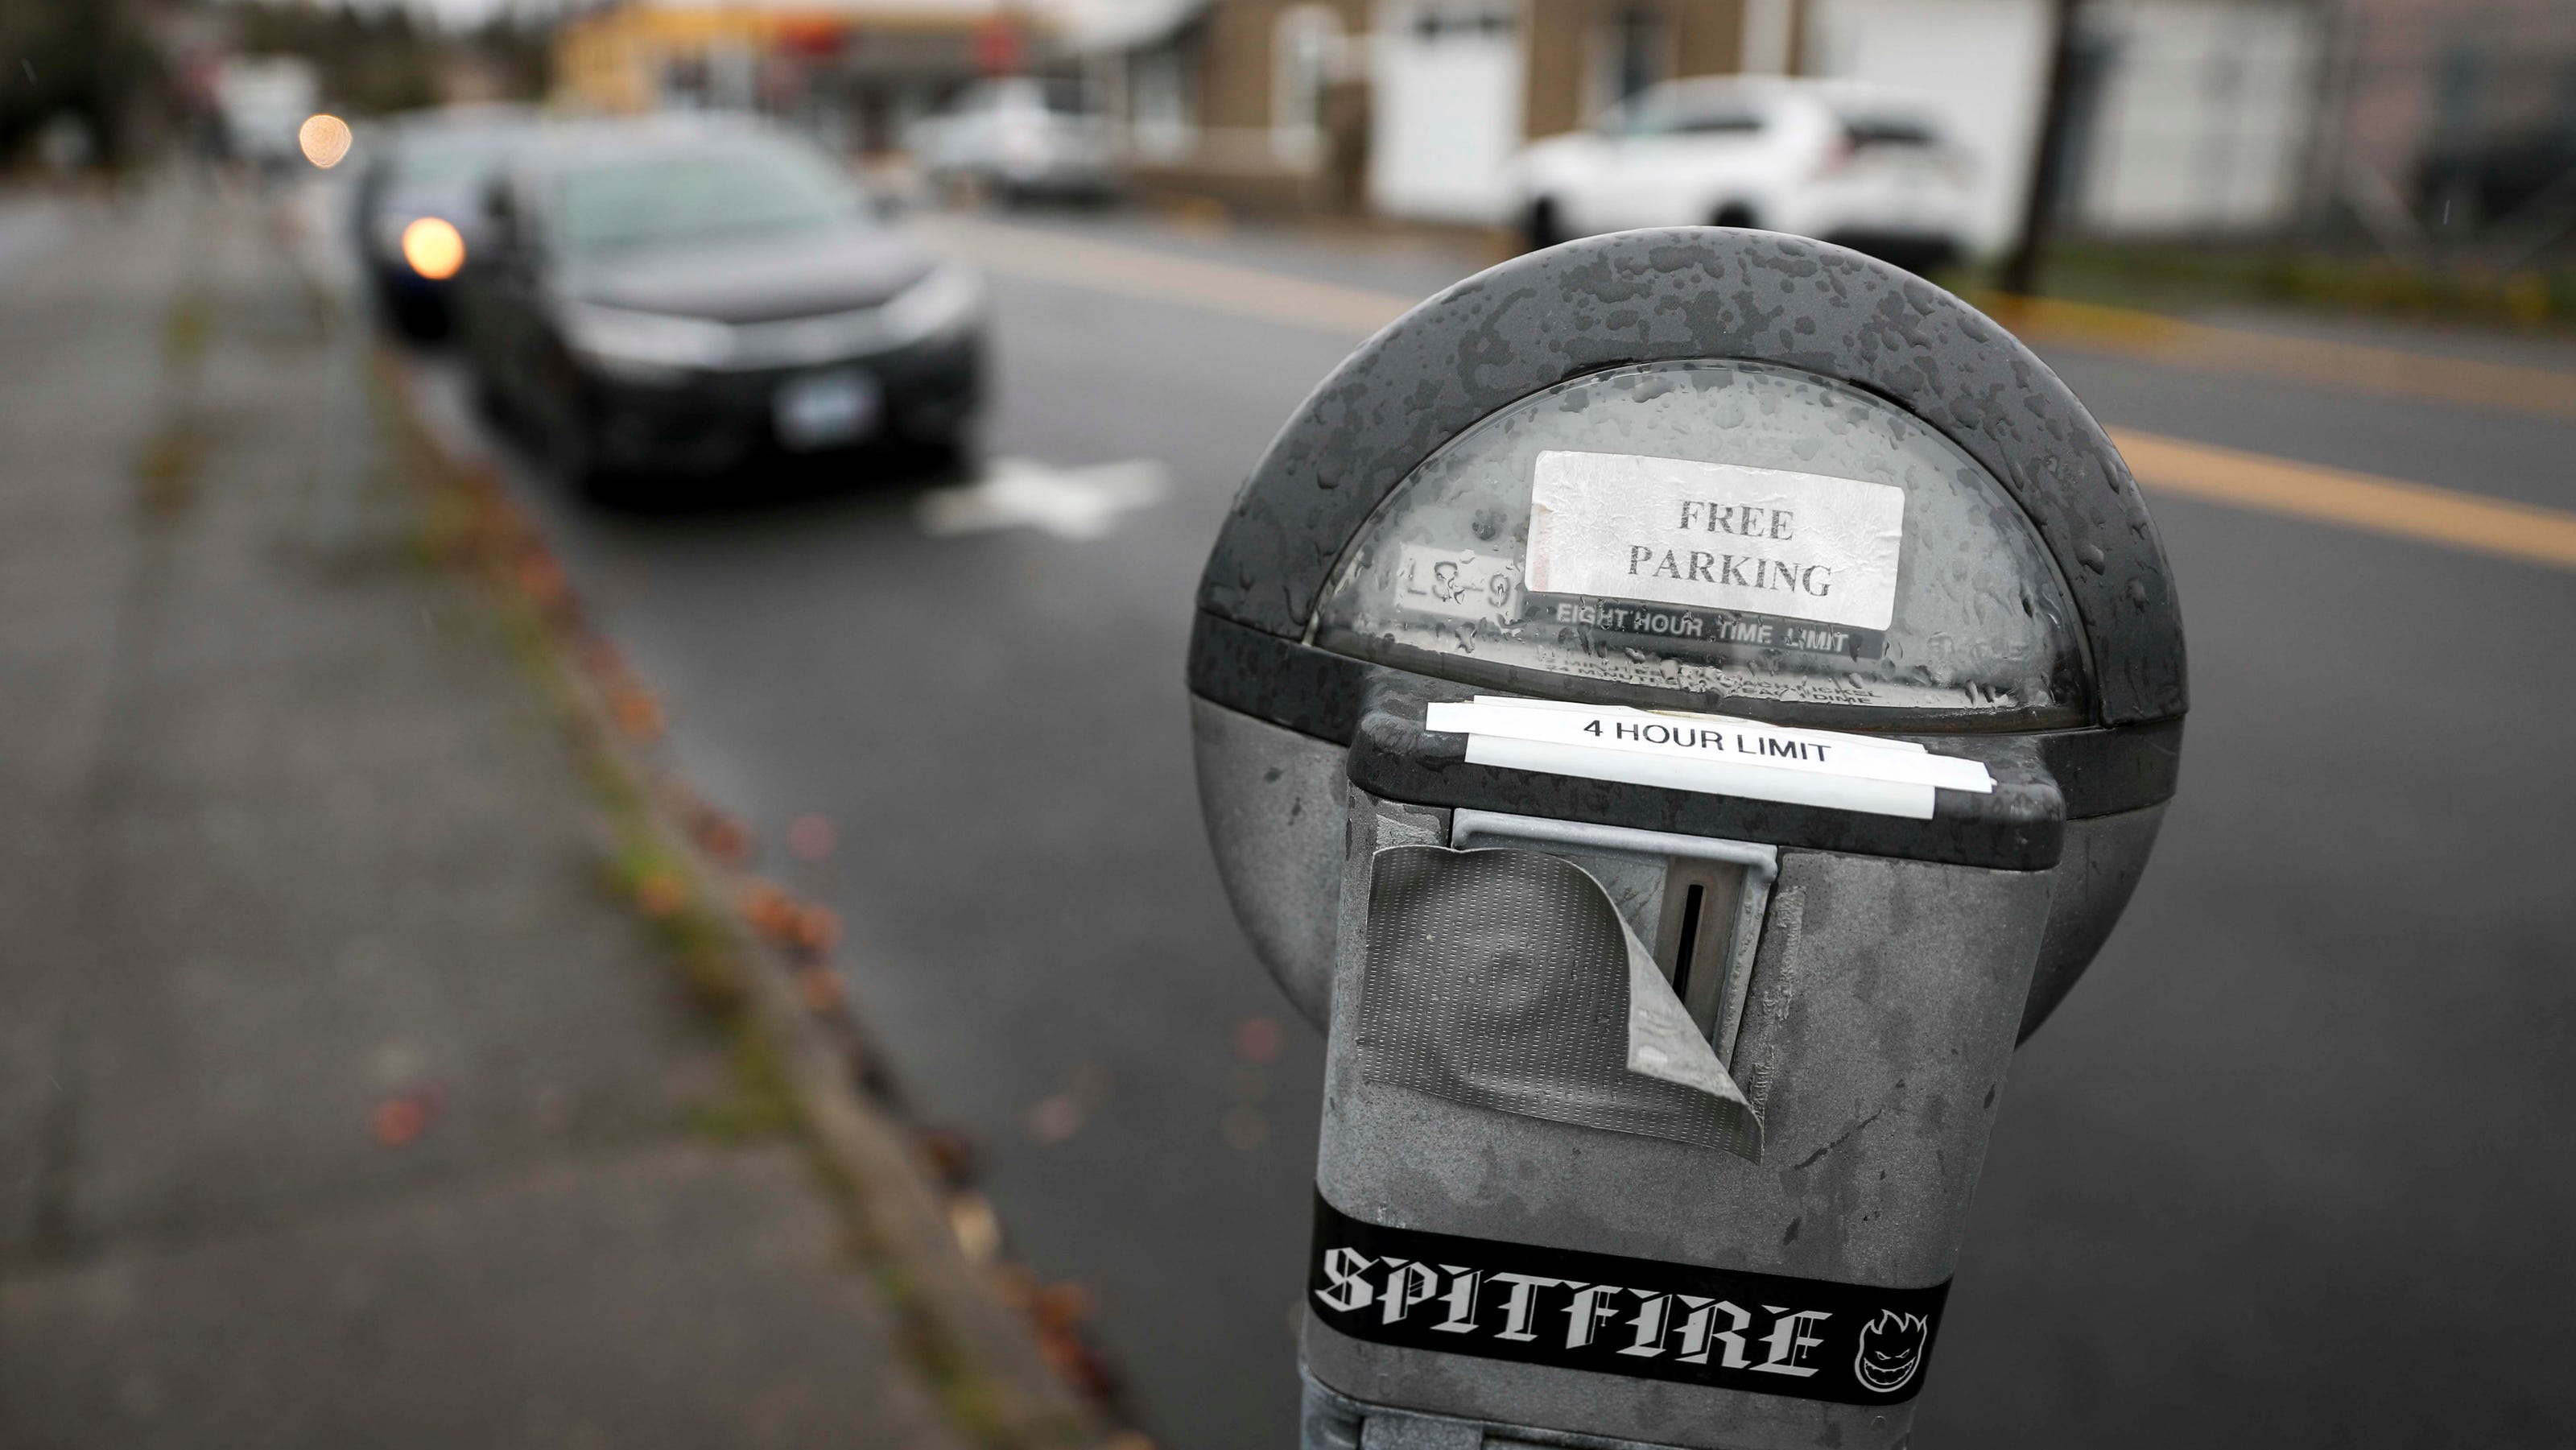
<point>690,299</point>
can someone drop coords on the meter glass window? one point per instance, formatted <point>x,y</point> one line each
<point>1717,536</point>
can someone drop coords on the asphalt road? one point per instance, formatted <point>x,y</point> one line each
<point>2296,1165</point>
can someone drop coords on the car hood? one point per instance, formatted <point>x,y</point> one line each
<point>460,207</point>
<point>1553,157</point>
<point>1563,143</point>
<point>755,279</point>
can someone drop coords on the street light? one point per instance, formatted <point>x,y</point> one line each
<point>325,139</point>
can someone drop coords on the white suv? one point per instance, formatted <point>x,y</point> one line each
<point>1020,136</point>
<point>1862,166</point>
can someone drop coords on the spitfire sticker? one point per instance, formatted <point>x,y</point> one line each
<point>1815,1339</point>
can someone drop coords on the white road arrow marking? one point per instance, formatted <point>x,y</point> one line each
<point>1070,503</point>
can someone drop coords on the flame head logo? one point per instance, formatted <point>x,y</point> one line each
<point>1891,1350</point>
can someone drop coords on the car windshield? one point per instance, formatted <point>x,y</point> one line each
<point>1676,116</point>
<point>693,195</point>
<point>1062,97</point>
<point>428,162</point>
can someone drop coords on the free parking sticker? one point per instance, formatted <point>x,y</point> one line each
<point>1721,536</point>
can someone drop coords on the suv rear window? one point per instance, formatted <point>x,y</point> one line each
<point>1649,118</point>
<point>1890,131</point>
<point>1715,123</point>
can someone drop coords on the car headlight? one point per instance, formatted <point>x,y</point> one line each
<point>947,299</point>
<point>645,343</point>
<point>433,248</point>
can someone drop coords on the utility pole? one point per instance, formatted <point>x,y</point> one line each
<point>2039,210</point>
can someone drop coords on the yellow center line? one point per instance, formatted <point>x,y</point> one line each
<point>2416,511</point>
<point>2350,367</point>
<point>2355,500</point>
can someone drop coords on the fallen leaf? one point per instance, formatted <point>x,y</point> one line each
<point>599,657</point>
<point>810,837</point>
<point>820,988</point>
<point>770,911</point>
<point>977,1227</point>
<point>400,1120</point>
<point>1061,1305</point>
<point>638,714</point>
<point>1055,1118</point>
<point>723,837</point>
<point>541,579</point>
<point>1259,1039</point>
<point>951,1155</point>
<point>816,928</point>
<point>661,893</point>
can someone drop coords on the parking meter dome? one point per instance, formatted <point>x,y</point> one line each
<point>1387,538</point>
<point>1976,629</point>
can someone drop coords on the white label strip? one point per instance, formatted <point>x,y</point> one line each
<point>1688,736</point>
<point>1858,742</point>
<point>1753,782</point>
<point>1715,754</point>
<point>1715,536</point>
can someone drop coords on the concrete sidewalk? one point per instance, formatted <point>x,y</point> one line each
<point>341,1101</point>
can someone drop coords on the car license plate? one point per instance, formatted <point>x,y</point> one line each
<point>821,409</point>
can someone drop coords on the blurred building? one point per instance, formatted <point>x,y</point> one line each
<point>2414,125</point>
<point>1406,107</point>
<point>2188,117</point>
<point>2195,118</point>
<point>1255,101</point>
<point>856,72</point>
<point>2452,122</point>
<point>2196,115</point>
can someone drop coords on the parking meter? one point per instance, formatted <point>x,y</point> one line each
<point>1676,708</point>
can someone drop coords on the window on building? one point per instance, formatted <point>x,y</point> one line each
<point>1305,45</point>
<point>1165,127</point>
<point>1638,50</point>
<point>1435,23</point>
<point>1627,52</point>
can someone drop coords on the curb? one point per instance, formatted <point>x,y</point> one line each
<point>1006,1355</point>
